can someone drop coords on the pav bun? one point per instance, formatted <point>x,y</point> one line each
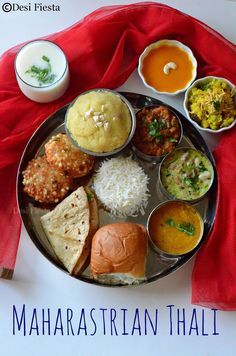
<point>118,254</point>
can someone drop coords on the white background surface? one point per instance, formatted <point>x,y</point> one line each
<point>38,284</point>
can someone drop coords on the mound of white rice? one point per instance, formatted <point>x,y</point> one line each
<point>122,186</point>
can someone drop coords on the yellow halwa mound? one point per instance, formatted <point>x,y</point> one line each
<point>212,104</point>
<point>99,121</point>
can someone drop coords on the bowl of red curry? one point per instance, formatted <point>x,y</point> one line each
<point>158,132</point>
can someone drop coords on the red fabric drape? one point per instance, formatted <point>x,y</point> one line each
<point>102,51</point>
<point>214,273</point>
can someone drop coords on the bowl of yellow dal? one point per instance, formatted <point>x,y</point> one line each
<point>175,228</point>
<point>100,122</point>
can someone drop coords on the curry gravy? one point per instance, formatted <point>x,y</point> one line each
<point>175,227</point>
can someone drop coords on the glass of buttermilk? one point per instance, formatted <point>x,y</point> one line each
<point>42,71</point>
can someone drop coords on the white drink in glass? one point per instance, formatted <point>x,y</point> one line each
<point>42,71</point>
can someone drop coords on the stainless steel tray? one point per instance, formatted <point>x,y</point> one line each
<point>158,266</point>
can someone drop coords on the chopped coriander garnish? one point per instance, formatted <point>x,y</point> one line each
<point>171,139</point>
<point>46,59</point>
<point>184,227</point>
<point>159,138</point>
<point>201,167</point>
<point>187,228</point>
<point>152,132</point>
<point>203,86</point>
<point>154,129</point>
<point>43,75</point>
<point>191,182</point>
<point>170,222</point>
<point>216,104</point>
<point>90,196</point>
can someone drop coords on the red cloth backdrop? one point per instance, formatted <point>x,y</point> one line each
<point>102,51</point>
<point>214,273</point>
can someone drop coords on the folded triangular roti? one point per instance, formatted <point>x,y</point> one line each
<point>94,223</point>
<point>68,227</point>
<point>67,250</point>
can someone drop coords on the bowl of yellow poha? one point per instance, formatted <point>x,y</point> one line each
<point>210,104</point>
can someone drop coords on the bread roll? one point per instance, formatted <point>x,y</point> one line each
<point>119,252</point>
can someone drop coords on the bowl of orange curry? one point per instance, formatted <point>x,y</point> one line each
<point>167,67</point>
<point>175,228</point>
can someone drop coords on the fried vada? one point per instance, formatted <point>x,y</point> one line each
<point>62,155</point>
<point>45,183</point>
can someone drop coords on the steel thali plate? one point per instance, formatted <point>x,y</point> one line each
<point>157,266</point>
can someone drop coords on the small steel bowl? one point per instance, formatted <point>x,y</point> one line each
<point>155,247</point>
<point>150,158</point>
<point>167,194</point>
<point>117,150</point>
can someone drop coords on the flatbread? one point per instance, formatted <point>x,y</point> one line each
<point>93,208</point>
<point>67,227</point>
<point>94,224</point>
<point>67,250</point>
